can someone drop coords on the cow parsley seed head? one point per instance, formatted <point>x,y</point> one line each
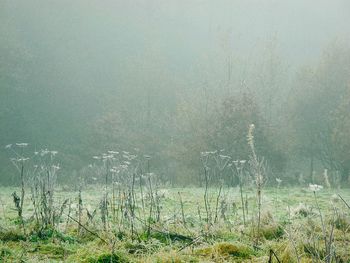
<point>22,144</point>
<point>56,167</point>
<point>113,152</point>
<point>315,187</point>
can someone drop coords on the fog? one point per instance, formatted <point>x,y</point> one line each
<point>174,79</point>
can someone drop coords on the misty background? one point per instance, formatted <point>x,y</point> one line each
<point>174,78</point>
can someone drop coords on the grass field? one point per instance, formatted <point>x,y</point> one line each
<point>180,229</point>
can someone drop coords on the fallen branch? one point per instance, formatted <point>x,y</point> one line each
<point>272,253</point>
<point>93,233</point>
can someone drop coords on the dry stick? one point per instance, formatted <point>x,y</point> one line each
<point>257,168</point>
<point>80,203</point>
<point>344,201</point>
<point>206,203</point>
<point>241,191</point>
<point>141,190</point>
<point>246,206</point>
<point>189,244</point>
<point>182,210</point>
<point>290,236</point>
<point>22,198</point>
<point>199,214</point>
<point>151,205</point>
<point>272,253</point>
<point>132,205</point>
<point>93,233</point>
<point>3,209</point>
<point>217,204</point>
<point>322,222</point>
<point>113,199</point>
<point>157,205</point>
<point>69,211</point>
<point>328,248</point>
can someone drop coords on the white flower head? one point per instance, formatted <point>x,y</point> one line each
<point>315,187</point>
<point>204,154</point>
<point>8,146</point>
<point>22,144</point>
<point>107,156</point>
<point>56,167</point>
<point>278,180</point>
<point>44,152</point>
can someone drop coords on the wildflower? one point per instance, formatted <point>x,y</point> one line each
<point>96,157</point>
<point>278,180</point>
<point>113,152</point>
<point>132,157</point>
<point>8,146</point>
<point>124,166</point>
<point>315,187</point>
<point>56,167</point>
<point>107,156</point>
<point>44,152</point>
<point>36,153</point>
<point>204,154</point>
<point>22,144</point>
<point>53,153</point>
<point>242,161</point>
